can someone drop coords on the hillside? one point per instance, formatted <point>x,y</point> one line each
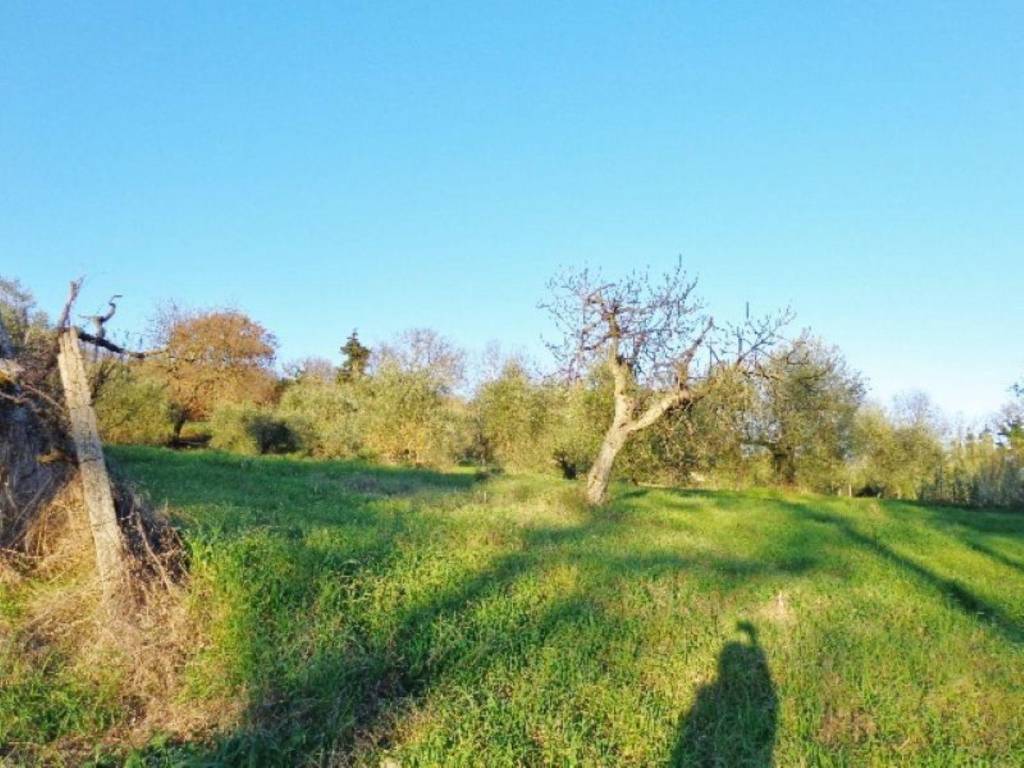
<point>345,613</point>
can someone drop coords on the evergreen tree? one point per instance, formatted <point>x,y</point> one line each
<point>357,357</point>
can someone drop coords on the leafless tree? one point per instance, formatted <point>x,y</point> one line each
<point>423,349</point>
<point>650,333</point>
<point>318,369</point>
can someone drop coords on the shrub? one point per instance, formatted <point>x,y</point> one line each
<point>409,418</point>
<point>574,430</point>
<point>132,408</point>
<point>893,460</point>
<point>325,417</point>
<point>514,417</point>
<point>979,471</point>
<point>251,430</point>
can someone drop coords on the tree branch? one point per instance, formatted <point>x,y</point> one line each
<point>96,341</point>
<point>73,289</point>
<point>683,365</point>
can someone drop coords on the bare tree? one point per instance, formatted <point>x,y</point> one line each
<point>650,334</point>
<point>424,349</point>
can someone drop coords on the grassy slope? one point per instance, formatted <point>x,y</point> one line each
<point>357,612</point>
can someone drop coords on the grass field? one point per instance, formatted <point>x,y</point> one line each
<point>353,614</point>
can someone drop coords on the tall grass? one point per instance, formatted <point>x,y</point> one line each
<point>352,614</point>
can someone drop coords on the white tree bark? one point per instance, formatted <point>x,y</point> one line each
<point>627,418</point>
<point>111,551</point>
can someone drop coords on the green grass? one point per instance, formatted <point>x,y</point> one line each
<point>355,613</point>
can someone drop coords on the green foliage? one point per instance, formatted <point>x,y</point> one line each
<point>575,430</point>
<point>327,418</point>
<point>409,419</point>
<point>250,430</point>
<point>363,615</point>
<point>712,443</point>
<point>893,460</point>
<point>133,407</point>
<point>515,417</point>
<point>401,410</point>
<point>982,470</point>
<point>24,322</point>
<point>803,413</point>
<point>357,359</point>
<point>797,420</point>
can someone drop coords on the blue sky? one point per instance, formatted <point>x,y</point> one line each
<point>325,166</point>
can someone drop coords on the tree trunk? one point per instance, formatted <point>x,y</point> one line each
<point>601,470</point>
<point>111,552</point>
<point>178,424</point>
<point>784,464</point>
<point>626,420</point>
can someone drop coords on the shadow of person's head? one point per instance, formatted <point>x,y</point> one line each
<point>748,629</point>
<point>733,718</point>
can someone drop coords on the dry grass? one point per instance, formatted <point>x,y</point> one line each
<point>53,590</point>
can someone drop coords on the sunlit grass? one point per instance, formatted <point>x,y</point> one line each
<point>354,613</point>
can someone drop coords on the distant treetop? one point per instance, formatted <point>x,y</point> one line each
<point>357,358</point>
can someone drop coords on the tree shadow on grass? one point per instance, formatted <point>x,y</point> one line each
<point>345,695</point>
<point>970,525</point>
<point>994,554</point>
<point>733,720</point>
<point>340,702</point>
<point>957,593</point>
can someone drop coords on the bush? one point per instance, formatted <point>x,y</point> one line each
<point>325,417</point>
<point>410,419</point>
<point>251,430</point>
<point>132,408</point>
<point>893,460</point>
<point>980,471</point>
<point>514,417</point>
<point>575,429</point>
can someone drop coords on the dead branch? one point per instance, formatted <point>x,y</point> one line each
<point>74,288</point>
<point>108,345</point>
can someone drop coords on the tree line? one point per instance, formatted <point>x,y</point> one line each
<point>649,389</point>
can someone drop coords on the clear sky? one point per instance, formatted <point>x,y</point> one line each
<point>325,166</point>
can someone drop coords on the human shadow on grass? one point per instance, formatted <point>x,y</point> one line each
<point>734,718</point>
<point>346,697</point>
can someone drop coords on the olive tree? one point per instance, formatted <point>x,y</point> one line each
<point>649,334</point>
<point>515,415</point>
<point>412,414</point>
<point>803,414</point>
